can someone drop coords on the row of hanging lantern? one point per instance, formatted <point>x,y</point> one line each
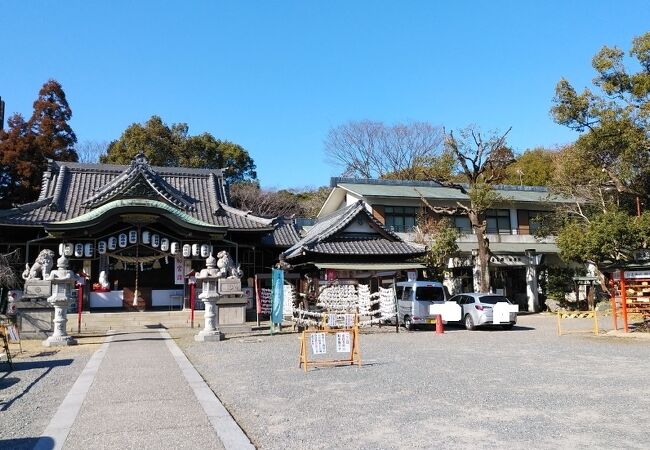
<point>124,239</point>
<point>77,250</point>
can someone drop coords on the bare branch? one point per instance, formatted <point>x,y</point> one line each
<point>436,209</point>
<point>8,276</point>
<point>372,149</point>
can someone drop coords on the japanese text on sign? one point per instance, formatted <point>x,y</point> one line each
<point>343,341</point>
<point>318,346</point>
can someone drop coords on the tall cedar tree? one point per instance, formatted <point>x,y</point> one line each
<point>26,146</point>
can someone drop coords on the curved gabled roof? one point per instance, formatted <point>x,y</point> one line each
<point>70,190</point>
<point>139,180</point>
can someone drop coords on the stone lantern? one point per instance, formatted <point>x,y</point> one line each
<point>209,279</point>
<point>63,281</point>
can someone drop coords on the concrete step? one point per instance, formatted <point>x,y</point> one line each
<point>129,320</point>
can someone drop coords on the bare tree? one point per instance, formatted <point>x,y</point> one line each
<point>90,151</point>
<point>248,196</point>
<point>368,149</point>
<point>482,160</point>
<point>8,276</point>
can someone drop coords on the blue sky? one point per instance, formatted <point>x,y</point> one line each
<point>275,76</point>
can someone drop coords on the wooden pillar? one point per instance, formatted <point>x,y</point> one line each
<point>623,300</point>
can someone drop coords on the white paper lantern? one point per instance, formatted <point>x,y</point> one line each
<point>78,250</point>
<point>146,237</point>
<point>205,250</point>
<point>133,236</point>
<point>164,244</point>
<point>61,249</point>
<point>101,247</point>
<point>187,250</point>
<point>174,248</point>
<point>112,243</point>
<point>195,249</point>
<point>122,239</point>
<point>155,240</point>
<point>68,249</point>
<point>88,250</point>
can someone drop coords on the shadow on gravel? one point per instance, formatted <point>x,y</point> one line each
<point>46,443</point>
<point>456,328</point>
<point>6,381</point>
<point>30,365</point>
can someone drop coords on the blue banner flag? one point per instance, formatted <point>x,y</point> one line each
<point>277,296</point>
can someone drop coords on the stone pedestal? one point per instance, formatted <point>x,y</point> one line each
<point>210,332</point>
<point>59,335</point>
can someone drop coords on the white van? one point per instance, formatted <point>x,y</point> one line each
<point>414,299</point>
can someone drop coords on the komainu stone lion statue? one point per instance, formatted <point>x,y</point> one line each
<point>41,268</point>
<point>226,266</point>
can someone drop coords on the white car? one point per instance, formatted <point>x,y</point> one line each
<point>477,309</point>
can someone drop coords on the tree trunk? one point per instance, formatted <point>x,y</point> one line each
<point>479,226</point>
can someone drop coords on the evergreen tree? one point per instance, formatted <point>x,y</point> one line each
<point>165,145</point>
<point>27,145</point>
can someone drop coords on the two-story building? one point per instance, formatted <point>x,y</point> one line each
<point>516,253</point>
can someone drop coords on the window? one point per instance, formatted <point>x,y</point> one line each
<point>430,293</point>
<point>535,220</point>
<point>400,218</point>
<point>530,221</point>
<point>462,224</point>
<point>498,221</point>
<point>493,299</point>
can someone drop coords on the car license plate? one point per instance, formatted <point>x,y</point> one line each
<point>431,320</point>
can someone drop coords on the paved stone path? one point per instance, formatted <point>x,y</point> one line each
<point>140,391</point>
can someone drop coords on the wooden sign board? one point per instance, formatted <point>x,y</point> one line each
<point>314,343</point>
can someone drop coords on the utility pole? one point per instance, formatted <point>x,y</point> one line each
<point>2,114</point>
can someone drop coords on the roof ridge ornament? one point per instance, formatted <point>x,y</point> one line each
<point>139,180</point>
<point>141,161</point>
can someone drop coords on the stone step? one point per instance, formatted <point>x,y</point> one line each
<point>127,320</point>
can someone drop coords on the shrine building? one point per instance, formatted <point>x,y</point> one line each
<point>139,228</point>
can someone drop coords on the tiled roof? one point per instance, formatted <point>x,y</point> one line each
<point>140,179</point>
<point>285,235</point>
<point>328,236</point>
<point>434,191</point>
<point>373,245</point>
<point>72,189</point>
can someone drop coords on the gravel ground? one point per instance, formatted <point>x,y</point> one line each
<point>487,388</point>
<point>32,392</point>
